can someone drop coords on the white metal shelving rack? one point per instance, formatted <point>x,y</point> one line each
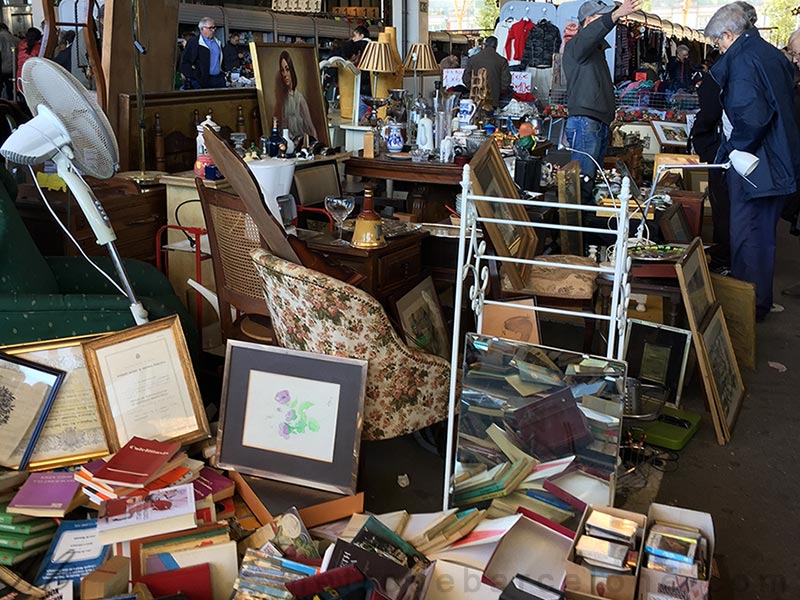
<point>472,259</point>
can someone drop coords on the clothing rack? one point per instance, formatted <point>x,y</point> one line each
<point>472,256</point>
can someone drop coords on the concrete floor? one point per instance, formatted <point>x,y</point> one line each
<point>748,486</point>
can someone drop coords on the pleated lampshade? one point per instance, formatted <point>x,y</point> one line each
<point>378,58</point>
<point>420,58</point>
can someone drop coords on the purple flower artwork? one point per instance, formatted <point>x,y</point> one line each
<point>296,420</point>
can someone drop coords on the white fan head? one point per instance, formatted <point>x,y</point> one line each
<point>92,145</point>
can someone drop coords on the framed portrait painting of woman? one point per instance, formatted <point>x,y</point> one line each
<point>290,88</point>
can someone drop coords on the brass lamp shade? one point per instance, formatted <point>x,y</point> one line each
<point>378,58</point>
<point>420,59</point>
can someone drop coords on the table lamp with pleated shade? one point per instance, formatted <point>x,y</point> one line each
<point>420,59</point>
<point>377,58</point>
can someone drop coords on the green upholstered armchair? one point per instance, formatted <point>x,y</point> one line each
<point>44,298</point>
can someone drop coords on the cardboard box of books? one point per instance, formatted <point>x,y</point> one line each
<point>604,560</point>
<point>678,550</point>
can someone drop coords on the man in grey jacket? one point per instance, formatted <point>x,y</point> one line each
<point>8,44</point>
<point>590,92</point>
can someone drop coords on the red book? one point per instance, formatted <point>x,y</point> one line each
<point>213,483</point>
<point>193,582</point>
<point>137,463</point>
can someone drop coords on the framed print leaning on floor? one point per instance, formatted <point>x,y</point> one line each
<point>72,433</point>
<point>292,416</point>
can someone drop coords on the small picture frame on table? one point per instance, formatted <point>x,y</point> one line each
<point>27,392</point>
<point>292,416</point>
<point>671,134</point>
<point>145,385</point>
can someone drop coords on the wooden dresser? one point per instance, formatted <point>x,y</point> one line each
<point>135,213</point>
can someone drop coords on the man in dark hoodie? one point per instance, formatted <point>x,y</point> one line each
<point>590,91</point>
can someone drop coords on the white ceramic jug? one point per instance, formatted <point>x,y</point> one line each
<point>466,110</point>
<point>425,134</point>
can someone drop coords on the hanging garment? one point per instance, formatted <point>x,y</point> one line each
<point>515,44</point>
<point>501,33</point>
<point>543,41</point>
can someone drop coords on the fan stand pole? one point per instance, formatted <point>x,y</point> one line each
<point>101,227</point>
<point>142,176</point>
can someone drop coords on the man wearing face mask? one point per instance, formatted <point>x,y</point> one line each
<point>590,91</point>
<point>758,118</point>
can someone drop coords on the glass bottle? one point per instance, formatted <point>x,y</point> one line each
<point>368,232</point>
<point>276,145</point>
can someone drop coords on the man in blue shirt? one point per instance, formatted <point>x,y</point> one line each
<point>201,62</point>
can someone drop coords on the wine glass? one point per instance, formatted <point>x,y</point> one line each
<point>339,207</point>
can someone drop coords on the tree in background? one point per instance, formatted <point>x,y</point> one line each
<point>462,8</point>
<point>488,12</point>
<point>779,15</point>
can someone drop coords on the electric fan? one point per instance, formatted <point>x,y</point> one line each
<point>70,129</point>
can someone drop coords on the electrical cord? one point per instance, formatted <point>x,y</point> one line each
<point>178,220</point>
<point>69,234</point>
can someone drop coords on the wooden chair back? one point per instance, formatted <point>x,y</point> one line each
<point>232,234</point>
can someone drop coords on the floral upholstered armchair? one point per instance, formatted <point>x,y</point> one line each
<point>406,389</point>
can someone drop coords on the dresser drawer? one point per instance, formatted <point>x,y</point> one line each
<point>399,267</point>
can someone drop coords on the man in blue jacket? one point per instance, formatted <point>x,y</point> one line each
<point>758,117</point>
<point>590,92</point>
<point>201,61</point>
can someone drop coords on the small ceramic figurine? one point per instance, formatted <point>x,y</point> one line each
<point>446,150</point>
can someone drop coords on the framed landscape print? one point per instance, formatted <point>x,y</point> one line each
<point>73,433</point>
<point>290,88</point>
<point>145,385</point>
<point>695,281</point>
<point>292,416</point>
<point>422,320</point>
<point>490,177</point>
<point>674,226</point>
<point>721,375</point>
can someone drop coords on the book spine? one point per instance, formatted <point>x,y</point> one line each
<point>671,555</point>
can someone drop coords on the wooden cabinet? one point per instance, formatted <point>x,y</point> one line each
<point>135,213</point>
<point>389,270</point>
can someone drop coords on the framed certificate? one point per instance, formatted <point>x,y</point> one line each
<point>145,385</point>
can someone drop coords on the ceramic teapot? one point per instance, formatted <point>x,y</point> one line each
<point>393,135</point>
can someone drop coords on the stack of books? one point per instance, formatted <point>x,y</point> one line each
<point>140,467</point>
<point>677,549</point>
<point>22,536</point>
<point>607,546</point>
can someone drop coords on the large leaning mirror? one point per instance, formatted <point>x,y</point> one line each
<point>538,428</point>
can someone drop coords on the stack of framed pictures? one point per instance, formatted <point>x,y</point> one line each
<point>136,382</point>
<point>721,377</point>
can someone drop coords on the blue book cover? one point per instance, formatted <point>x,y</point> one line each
<point>74,553</point>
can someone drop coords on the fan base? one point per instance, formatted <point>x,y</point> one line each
<point>143,177</point>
